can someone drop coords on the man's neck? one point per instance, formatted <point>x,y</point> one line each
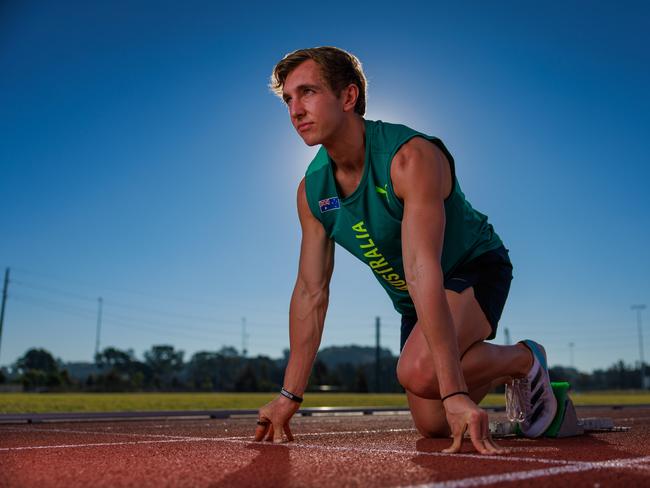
<point>347,149</point>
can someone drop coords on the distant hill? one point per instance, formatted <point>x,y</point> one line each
<point>80,371</point>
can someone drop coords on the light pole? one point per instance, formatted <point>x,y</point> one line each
<point>571,344</point>
<point>377,353</point>
<point>639,308</point>
<point>4,302</point>
<point>244,338</point>
<point>98,332</point>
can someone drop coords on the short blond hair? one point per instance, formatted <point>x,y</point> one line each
<point>339,69</point>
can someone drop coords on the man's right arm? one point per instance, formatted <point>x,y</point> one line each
<point>306,320</point>
<point>310,297</point>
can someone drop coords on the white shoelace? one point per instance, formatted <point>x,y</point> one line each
<point>516,399</point>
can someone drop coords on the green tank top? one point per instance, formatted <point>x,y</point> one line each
<point>368,223</point>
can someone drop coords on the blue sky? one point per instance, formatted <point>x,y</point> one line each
<point>144,160</point>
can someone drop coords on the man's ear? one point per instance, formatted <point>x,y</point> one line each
<point>350,94</point>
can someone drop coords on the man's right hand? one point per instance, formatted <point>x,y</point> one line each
<point>463,414</point>
<point>273,420</point>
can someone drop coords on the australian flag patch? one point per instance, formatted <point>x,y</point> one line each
<point>329,204</point>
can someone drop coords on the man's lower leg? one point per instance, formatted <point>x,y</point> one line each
<point>485,363</point>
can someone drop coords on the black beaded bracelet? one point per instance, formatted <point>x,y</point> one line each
<point>290,396</point>
<point>454,394</point>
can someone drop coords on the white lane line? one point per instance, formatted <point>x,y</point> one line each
<point>536,473</point>
<point>427,453</point>
<point>249,437</point>
<point>170,436</point>
<point>96,444</point>
<point>343,432</point>
<point>568,467</point>
<point>628,419</point>
<point>296,445</point>
<point>93,432</point>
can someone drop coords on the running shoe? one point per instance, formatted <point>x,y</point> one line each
<point>532,397</point>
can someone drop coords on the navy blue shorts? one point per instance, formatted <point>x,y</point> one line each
<point>490,275</point>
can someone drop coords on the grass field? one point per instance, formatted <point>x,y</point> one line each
<point>115,402</point>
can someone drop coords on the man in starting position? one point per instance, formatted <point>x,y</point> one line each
<point>390,196</point>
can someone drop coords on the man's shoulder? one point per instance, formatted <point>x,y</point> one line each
<point>398,139</point>
<point>389,137</point>
<point>389,128</point>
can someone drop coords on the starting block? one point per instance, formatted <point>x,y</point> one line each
<point>566,422</point>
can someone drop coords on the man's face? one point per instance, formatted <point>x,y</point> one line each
<point>315,110</point>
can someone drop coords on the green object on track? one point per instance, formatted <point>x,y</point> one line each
<point>561,392</point>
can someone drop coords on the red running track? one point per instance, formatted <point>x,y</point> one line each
<point>329,451</point>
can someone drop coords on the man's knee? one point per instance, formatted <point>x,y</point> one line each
<point>418,377</point>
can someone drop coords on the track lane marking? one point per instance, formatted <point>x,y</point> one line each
<point>294,445</point>
<point>631,464</point>
<point>246,440</point>
<point>95,444</point>
<point>567,466</point>
<point>248,437</point>
<point>241,437</point>
<point>94,432</point>
<point>343,432</point>
<point>576,467</point>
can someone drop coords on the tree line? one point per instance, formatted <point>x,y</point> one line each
<point>337,368</point>
<point>348,368</point>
